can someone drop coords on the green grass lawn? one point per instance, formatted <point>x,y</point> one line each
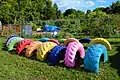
<point>15,67</point>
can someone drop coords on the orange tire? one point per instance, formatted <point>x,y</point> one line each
<point>69,40</point>
<point>32,47</point>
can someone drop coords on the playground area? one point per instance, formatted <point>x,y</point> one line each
<point>59,40</point>
<point>49,52</point>
<point>17,64</point>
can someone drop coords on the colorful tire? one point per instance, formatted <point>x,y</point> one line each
<point>43,50</point>
<point>56,54</point>
<point>10,39</point>
<point>101,41</point>
<point>71,51</point>
<point>22,44</point>
<point>44,39</point>
<point>93,55</point>
<point>13,42</point>
<point>69,40</point>
<point>53,40</point>
<point>32,47</point>
<point>62,40</point>
<point>85,40</point>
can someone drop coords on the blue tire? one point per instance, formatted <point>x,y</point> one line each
<point>56,54</point>
<point>93,57</point>
<point>85,40</point>
<point>44,39</point>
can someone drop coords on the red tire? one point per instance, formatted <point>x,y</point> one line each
<point>53,40</point>
<point>22,45</point>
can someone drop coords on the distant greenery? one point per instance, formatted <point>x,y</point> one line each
<point>101,22</point>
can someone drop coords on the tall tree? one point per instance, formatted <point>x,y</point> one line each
<point>116,7</point>
<point>69,12</point>
<point>48,10</point>
<point>88,12</point>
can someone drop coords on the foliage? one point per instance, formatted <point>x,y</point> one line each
<point>102,21</point>
<point>18,11</point>
<point>64,35</point>
<point>112,9</point>
<point>72,13</point>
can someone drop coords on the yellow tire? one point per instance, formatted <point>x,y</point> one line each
<point>101,41</point>
<point>69,40</point>
<point>32,47</point>
<point>43,50</point>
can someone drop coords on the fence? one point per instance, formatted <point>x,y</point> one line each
<point>8,30</point>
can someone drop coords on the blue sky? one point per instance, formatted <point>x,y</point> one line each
<point>83,5</point>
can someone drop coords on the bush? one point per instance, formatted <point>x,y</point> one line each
<point>64,35</point>
<point>115,35</point>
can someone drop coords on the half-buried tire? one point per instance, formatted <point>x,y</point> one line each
<point>56,54</point>
<point>32,47</point>
<point>53,40</point>
<point>44,39</point>
<point>13,42</point>
<point>101,41</point>
<point>93,55</point>
<point>22,44</point>
<point>69,40</point>
<point>85,40</point>
<point>10,39</point>
<point>42,51</point>
<point>71,52</point>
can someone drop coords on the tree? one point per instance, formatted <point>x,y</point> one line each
<point>88,12</point>
<point>98,14</point>
<point>59,14</point>
<point>116,7</point>
<point>69,12</point>
<point>112,9</point>
<point>49,11</point>
<point>80,14</point>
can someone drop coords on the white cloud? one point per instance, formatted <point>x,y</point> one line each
<point>76,4</point>
<point>102,1</point>
<point>90,3</point>
<point>102,6</point>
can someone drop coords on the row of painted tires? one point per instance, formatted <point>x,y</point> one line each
<point>67,52</point>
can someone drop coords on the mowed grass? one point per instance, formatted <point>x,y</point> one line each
<point>15,67</point>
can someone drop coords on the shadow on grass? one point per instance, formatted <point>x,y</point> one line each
<point>78,60</point>
<point>33,57</point>
<point>114,42</point>
<point>4,48</point>
<point>78,63</point>
<point>115,59</point>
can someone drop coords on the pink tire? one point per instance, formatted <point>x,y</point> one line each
<point>71,51</point>
<point>22,45</point>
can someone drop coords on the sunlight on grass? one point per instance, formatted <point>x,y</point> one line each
<point>15,67</point>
